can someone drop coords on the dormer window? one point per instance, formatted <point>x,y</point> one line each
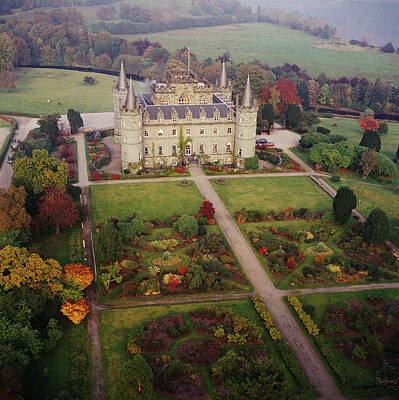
<point>189,115</point>
<point>203,100</point>
<point>216,117</point>
<point>145,120</point>
<point>230,117</point>
<point>174,118</point>
<point>160,133</point>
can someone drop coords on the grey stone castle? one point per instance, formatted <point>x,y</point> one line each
<point>184,119</point>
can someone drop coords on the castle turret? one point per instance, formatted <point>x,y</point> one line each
<point>245,132</point>
<point>120,92</point>
<point>132,145</point>
<point>224,84</point>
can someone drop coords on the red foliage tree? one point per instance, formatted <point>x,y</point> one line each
<point>288,94</point>
<point>207,210</point>
<point>369,125</point>
<point>57,209</point>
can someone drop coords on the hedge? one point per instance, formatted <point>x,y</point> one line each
<point>7,142</point>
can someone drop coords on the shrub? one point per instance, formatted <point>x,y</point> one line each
<point>324,131</point>
<point>109,244</point>
<point>252,163</point>
<point>187,225</point>
<point>343,204</point>
<point>207,210</point>
<point>308,140</point>
<point>306,319</point>
<point>376,227</point>
<point>331,328</point>
<point>359,353</point>
<point>267,318</point>
<point>132,347</point>
<point>335,178</point>
<point>309,309</point>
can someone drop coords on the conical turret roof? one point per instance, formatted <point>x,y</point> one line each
<point>223,81</point>
<point>122,81</point>
<point>130,104</point>
<point>247,99</point>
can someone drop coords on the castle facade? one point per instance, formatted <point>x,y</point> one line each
<point>183,119</point>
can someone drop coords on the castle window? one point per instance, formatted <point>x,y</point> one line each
<point>160,119</point>
<point>230,117</point>
<point>145,133</point>
<point>215,131</point>
<point>140,156</point>
<point>215,148</point>
<point>174,132</point>
<point>202,131</point>
<point>165,101</point>
<point>145,120</point>
<point>174,118</point>
<point>216,117</point>
<point>188,132</point>
<point>188,150</point>
<point>239,153</point>
<point>202,148</point>
<point>174,150</point>
<point>229,130</point>
<point>228,148</point>
<point>160,150</point>
<point>184,99</point>
<point>203,100</point>
<point>160,133</point>
<point>146,151</point>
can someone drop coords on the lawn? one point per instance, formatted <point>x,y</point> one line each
<point>272,193</point>
<point>34,87</point>
<point>277,45</point>
<point>360,375</point>
<point>148,200</point>
<point>118,327</point>
<point>387,198</point>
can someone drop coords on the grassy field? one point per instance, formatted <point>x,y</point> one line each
<point>362,379</point>
<point>274,193</point>
<point>277,45</point>
<point>148,200</point>
<point>35,87</point>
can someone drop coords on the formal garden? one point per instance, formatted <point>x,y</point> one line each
<point>357,336</point>
<point>194,351</point>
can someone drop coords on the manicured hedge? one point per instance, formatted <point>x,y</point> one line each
<point>7,142</point>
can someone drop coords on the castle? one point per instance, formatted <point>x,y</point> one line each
<point>184,119</point>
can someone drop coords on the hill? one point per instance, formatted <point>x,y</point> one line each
<point>276,45</point>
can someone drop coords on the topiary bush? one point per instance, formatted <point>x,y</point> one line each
<point>343,204</point>
<point>252,163</point>
<point>187,225</point>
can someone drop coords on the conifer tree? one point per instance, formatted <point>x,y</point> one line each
<point>376,228</point>
<point>344,202</point>
<point>109,244</point>
<point>371,140</point>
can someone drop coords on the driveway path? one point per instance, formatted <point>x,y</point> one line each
<point>83,177</point>
<point>25,125</point>
<point>307,357</point>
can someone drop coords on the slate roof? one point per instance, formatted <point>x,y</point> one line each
<point>181,109</point>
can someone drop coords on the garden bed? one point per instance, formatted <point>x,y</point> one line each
<point>193,363</point>
<point>358,339</point>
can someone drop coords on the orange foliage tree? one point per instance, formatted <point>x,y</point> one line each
<point>79,274</point>
<point>76,311</point>
<point>369,125</point>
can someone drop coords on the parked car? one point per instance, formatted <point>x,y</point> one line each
<point>264,141</point>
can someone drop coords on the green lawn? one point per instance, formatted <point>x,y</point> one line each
<point>277,45</point>
<point>361,378</point>
<point>387,198</point>
<point>34,87</point>
<point>272,193</point>
<point>148,200</point>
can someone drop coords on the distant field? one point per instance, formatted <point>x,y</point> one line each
<point>36,86</point>
<point>276,45</point>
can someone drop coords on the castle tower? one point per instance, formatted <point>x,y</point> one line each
<point>245,132</point>
<point>132,145</point>
<point>224,85</point>
<point>119,92</point>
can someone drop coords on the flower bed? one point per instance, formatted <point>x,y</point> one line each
<point>67,153</point>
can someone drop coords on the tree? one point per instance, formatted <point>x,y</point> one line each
<point>109,244</point>
<point>7,80</point>
<point>49,126</point>
<point>57,209</point>
<point>13,215</point>
<point>19,268</point>
<point>369,124</point>
<point>40,171</point>
<point>372,140</point>
<point>303,93</point>
<point>103,61</point>
<point>187,225</point>
<point>207,210</point>
<point>293,115</point>
<point>383,129</point>
<point>376,227</point>
<point>135,380</point>
<point>89,80</point>
<point>397,153</point>
<point>268,115</point>
<point>7,52</point>
<point>183,142</point>
<point>111,274</point>
<point>75,120</point>
<point>79,274</point>
<point>314,91</point>
<point>368,163</point>
<point>258,76</point>
<point>324,98</point>
<point>76,311</point>
<point>343,204</point>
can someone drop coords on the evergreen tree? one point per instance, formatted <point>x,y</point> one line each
<point>268,114</point>
<point>109,244</point>
<point>397,152</point>
<point>371,140</point>
<point>343,204</point>
<point>293,116</point>
<point>303,93</point>
<point>376,228</point>
<point>75,120</point>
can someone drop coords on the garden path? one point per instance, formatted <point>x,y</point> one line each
<point>313,367</point>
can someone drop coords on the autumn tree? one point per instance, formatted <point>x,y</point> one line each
<point>13,215</point>
<point>57,209</point>
<point>314,91</point>
<point>369,124</point>
<point>7,52</point>
<point>79,274</point>
<point>368,163</point>
<point>258,76</point>
<point>7,80</point>
<point>20,268</point>
<point>76,311</point>
<point>40,171</point>
<point>207,210</point>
